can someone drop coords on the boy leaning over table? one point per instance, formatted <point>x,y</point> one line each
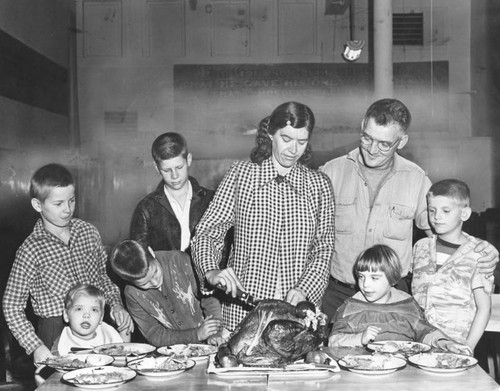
<point>60,252</point>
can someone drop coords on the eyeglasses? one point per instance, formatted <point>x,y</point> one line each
<point>384,146</point>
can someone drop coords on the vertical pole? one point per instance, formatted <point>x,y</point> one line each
<point>382,25</point>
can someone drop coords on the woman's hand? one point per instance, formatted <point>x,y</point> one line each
<point>369,334</point>
<point>488,262</point>
<point>295,295</point>
<point>226,279</point>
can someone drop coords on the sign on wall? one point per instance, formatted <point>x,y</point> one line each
<point>226,102</point>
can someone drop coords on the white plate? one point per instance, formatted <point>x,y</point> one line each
<point>151,366</point>
<point>93,377</point>
<point>196,352</point>
<point>405,348</point>
<point>378,364</point>
<point>443,362</point>
<point>293,371</point>
<point>70,362</point>
<point>125,350</point>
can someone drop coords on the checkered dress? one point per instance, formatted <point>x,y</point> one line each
<point>283,231</point>
<point>45,268</point>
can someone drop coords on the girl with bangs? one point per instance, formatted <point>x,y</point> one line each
<point>380,312</point>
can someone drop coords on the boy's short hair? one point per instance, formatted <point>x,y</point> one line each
<point>380,258</point>
<point>388,111</point>
<point>46,177</point>
<point>167,146</point>
<point>83,289</point>
<point>451,188</point>
<point>130,261</point>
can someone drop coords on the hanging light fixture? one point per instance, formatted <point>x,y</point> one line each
<point>352,50</point>
<point>353,47</point>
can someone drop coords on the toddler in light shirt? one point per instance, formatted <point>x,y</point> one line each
<point>84,312</point>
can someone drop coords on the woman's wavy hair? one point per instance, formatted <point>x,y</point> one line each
<point>299,115</point>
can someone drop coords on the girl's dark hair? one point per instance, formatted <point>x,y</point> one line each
<point>380,258</point>
<point>299,115</point>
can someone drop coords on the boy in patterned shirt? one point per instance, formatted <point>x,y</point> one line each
<point>446,283</point>
<point>163,298</point>
<point>60,252</point>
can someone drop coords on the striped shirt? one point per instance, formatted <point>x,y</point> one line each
<point>284,230</point>
<point>45,268</point>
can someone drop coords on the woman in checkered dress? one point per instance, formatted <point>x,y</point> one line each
<point>283,218</point>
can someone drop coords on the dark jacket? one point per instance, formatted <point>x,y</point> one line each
<point>154,223</point>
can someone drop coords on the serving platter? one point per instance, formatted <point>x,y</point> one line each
<point>99,377</point>
<point>445,363</point>
<point>164,366</point>
<point>299,370</point>
<point>196,352</point>
<point>124,351</point>
<point>70,362</point>
<point>404,348</point>
<point>377,364</point>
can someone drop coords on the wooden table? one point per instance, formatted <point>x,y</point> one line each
<point>408,379</point>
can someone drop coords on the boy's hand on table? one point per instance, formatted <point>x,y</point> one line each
<point>489,259</point>
<point>454,347</point>
<point>41,353</point>
<point>122,318</point>
<point>209,327</point>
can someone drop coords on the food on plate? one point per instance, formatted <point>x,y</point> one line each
<point>99,378</point>
<point>73,361</point>
<point>160,364</point>
<point>193,350</point>
<point>119,350</point>
<point>403,347</point>
<point>318,357</point>
<point>375,362</point>
<point>66,362</point>
<point>274,334</point>
<point>444,360</point>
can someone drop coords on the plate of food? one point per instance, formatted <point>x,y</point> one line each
<point>405,348</point>
<point>163,366</point>
<point>443,362</point>
<point>196,352</point>
<point>71,362</point>
<point>124,351</point>
<point>99,377</point>
<point>377,364</point>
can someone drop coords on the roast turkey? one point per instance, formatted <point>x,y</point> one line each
<point>275,333</point>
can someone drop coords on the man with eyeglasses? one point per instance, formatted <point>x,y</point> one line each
<point>378,196</point>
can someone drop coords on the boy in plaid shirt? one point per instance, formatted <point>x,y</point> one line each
<point>60,252</point>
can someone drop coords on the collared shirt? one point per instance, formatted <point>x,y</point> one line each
<point>281,229</point>
<point>446,293</point>
<point>401,200</point>
<point>46,268</point>
<point>182,214</point>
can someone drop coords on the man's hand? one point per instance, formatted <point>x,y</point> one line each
<point>227,279</point>
<point>41,353</point>
<point>454,347</point>
<point>489,259</point>
<point>122,319</point>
